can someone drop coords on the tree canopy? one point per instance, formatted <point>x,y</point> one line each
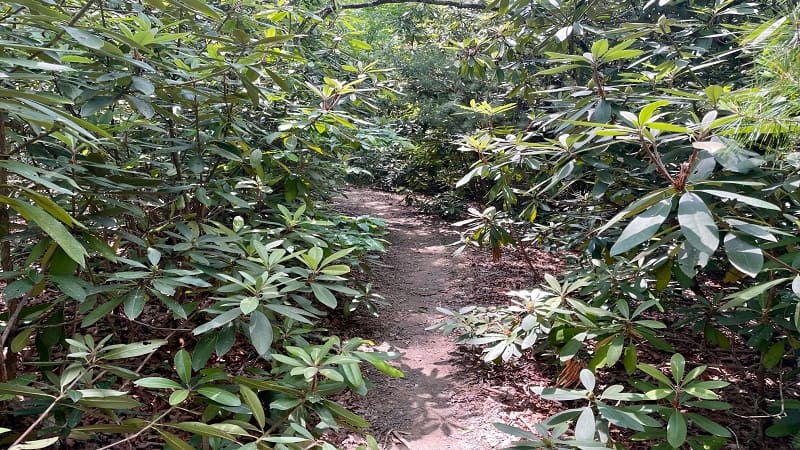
<point>165,166</point>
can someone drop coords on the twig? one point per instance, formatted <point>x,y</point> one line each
<point>777,415</point>
<point>780,262</point>
<point>46,412</point>
<point>58,36</point>
<point>12,320</point>
<point>23,145</point>
<point>151,424</point>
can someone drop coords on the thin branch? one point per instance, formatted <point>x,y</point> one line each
<point>62,395</point>
<point>780,262</point>
<point>21,146</point>
<point>130,438</point>
<point>73,21</point>
<point>12,320</point>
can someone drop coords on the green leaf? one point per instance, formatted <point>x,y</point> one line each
<point>129,426</point>
<point>602,112</point>
<point>280,81</point>
<point>142,85</point>
<point>175,442</point>
<point>380,364</point>
<point>153,256</point>
<point>337,269</point>
<point>599,48</point>
<point>642,227</point>
<point>70,285</point>
<point>201,7</point>
<point>52,227</point>
<point>116,402</point>
<point>313,257</point>
<point>32,445</point>
<point>285,439</point>
<point>121,351</point>
<point>741,297</point>
<point>359,44</point>
<point>559,69</point>
<point>100,311</point>
<point>746,257</point>
<point>260,333</point>
<point>585,427</point>
<point>697,223</point>
<point>220,396</point>
<point>655,373</point>
<point>285,404</point>
<point>25,391</point>
<point>183,365</point>
<point>587,379</point>
<point>202,351</point>
<point>667,127</point>
<point>630,359</point>
<point>96,104</point>
<point>218,321</point>
<point>20,341</point>
<point>337,255</point>
<point>676,429</point>
<point>332,375</point>
<point>254,405</point>
<point>757,231</point>
<point>134,302</point>
<point>699,392</point>
<point>514,431</point>
<point>559,395</point>
<point>201,429</point>
<point>143,106</point>
<point>178,397</point>
<point>157,383</point>
<point>764,31</point>
<point>324,295</point>
<point>774,355</point>
<point>796,285</point>
<point>248,305</point>
<point>755,202</point>
<point>677,364</point>
<point>647,112</point>
<point>638,206</point>
<point>17,289</point>
<point>84,38</point>
<point>30,64</point>
<point>620,417</point>
<point>349,417</point>
<point>709,425</point>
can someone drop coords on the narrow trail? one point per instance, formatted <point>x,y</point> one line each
<point>432,408</point>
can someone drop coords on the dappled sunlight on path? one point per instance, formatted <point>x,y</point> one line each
<point>427,409</point>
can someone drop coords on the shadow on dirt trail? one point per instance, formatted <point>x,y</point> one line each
<point>433,407</point>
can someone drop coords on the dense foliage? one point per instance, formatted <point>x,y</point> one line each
<point>168,259</point>
<point>161,168</point>
<point>662,148</point>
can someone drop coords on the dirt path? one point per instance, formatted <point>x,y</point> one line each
<point>435,407</point>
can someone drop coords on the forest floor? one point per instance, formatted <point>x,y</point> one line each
<point>448,399</point>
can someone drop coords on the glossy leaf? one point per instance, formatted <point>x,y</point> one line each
<point>676,429</point>
<point>697,223</point>
<point>746,257</point>
<point>260,333</point>
<point>220,396</point>
<point>642,227</point>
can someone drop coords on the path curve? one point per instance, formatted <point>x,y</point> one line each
<point>432,408</point>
